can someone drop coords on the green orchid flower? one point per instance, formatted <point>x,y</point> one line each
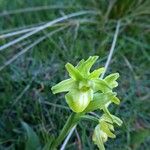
<point>82,84</point>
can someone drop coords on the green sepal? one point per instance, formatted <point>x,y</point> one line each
<point>106,127</point>
<point>64,86</point>
<point>100,85</point>
<point>107,118</point>
<point>96,73</point>
<point>117,120</point>
<point>106,111</point>
<point>73,72</point>
<point>111,127</point>
<point>99,101</point>
<point>80,65</point>
<point>111,80</point>
<point>111,119</point>
<point>115,100</point>
<point>85,66</point>
<point>78,100</point>
<point>89,63</point>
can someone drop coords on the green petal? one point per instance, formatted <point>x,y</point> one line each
<point>78,100</point>
<point>100,85</point>
<point>89,62</point>
<point>73,72</point>
<point>111,80</point>
<point>112,119</point>
<point>107,118</point>
<point>80,64</point>
<point>117,120</point>
<point>64,86</point>
<point>115,100</point>
<point>96,73</point>
<point>111,127</point>
<point>105,109</point>
<point>98,102</point>
<point>105,127</point>
<point>85,66</point>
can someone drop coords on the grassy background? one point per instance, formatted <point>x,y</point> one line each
<point>25,83</point>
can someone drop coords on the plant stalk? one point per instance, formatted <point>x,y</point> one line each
<point>72,121</point>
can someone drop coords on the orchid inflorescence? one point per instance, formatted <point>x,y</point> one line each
<point>87,92</point>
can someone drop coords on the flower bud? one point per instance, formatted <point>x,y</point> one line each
<point>99,137</point>
<point>98,133</point>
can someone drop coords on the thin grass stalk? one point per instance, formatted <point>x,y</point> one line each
<point>29,47</point>
<point>44,27</point>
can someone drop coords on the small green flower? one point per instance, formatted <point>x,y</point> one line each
<point>105,129</point>
<point>99,137</point>
<point>82,84</point>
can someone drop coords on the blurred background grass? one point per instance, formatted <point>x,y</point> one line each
<point>25,80</point>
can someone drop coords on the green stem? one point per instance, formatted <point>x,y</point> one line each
<point>72,120</point>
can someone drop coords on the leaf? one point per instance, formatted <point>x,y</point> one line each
<point>73,72</point>
<point>33,141</point>
<point>111,80</point>
<point>78,100</point>
<point>49,142</point>
<point>96,73</point>
<point>64,86</point>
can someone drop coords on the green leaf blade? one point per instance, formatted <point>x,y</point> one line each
<point>33,141</point>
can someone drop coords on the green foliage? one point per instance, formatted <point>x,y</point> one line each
<point>33,141</point>
<point>25,83</point>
